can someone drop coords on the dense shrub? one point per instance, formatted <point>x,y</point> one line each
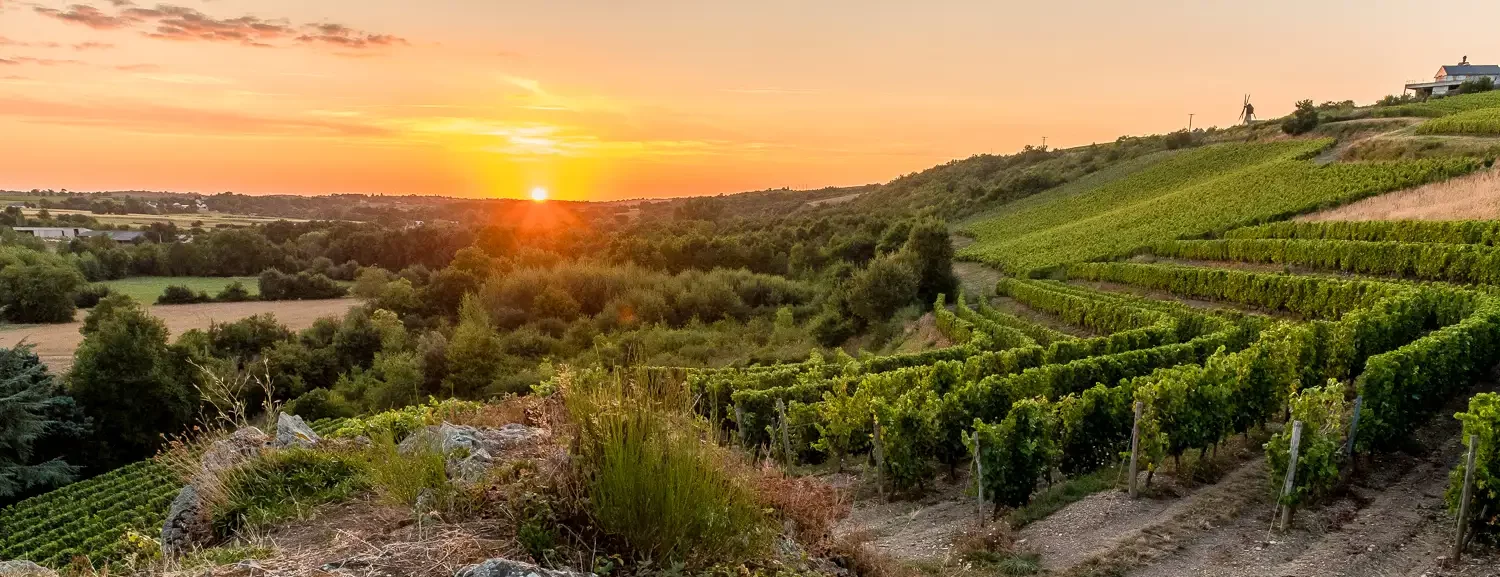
<point>181,295</point>
<point>235,292</point>
<point>90,295</point>
<point>1302,120</point>
<point>283,485</point>
<point>276,285</point>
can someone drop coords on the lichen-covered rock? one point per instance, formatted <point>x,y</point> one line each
<point>508,568</point>
<point>470,452</point>
<point>292,431</point>
<point>188,524</point>
<point>24,569</point>
<point>235,450</point>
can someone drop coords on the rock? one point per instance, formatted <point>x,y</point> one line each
<point>470,451</point>
<point>292,431</point>
<point>235,450</point>
<point>24,569</point>
<point>508,568</point>
<point>188,524</point>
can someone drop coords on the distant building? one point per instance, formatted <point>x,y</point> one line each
<point>54,232</point>
<point>1450,76</point>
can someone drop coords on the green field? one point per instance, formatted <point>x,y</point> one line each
<point>1209,189</point>
<point>146,288</point>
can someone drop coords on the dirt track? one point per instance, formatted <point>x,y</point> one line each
<point>55,343</point>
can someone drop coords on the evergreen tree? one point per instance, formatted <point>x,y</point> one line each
<point>35,423</point>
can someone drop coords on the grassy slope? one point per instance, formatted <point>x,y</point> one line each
<point>1192,193</point>
<point>146,288</point>
<point>1443,106</point>
<point>1484,121</point>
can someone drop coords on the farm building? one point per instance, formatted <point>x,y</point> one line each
<point>120,235</point>
<point>55,232</point>
<point>1449,77</point>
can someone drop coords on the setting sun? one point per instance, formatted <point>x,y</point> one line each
<point>539,194</point>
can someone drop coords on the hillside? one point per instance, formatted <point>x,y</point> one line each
<point>1142,326</point>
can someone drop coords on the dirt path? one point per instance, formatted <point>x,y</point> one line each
<point>914,531</point>
<point>55,343</point>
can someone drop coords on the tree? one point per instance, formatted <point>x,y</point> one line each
<point>878,291</point>
<point>932,252</point>
<point>123,378</point>
<point>32,410</point>
<point>1303,120</point>
<point>39,293</point>
<point>474,353</point>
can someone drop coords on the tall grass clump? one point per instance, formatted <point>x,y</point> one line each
<point>285,485</point>
<point>650,473</point>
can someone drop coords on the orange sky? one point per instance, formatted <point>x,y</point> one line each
<point>606,100</point>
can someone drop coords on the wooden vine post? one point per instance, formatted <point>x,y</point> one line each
<point>978,471</point>
<point>1354,427</point>
<point>1291,475</point>
<point>786,443</point>
<point>739,425</point>
<point>879,452</point>
<point>1463,503</point>
<point>1135,449</point>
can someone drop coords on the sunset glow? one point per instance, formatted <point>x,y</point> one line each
<point>539,194</point>
<point>625,100</point>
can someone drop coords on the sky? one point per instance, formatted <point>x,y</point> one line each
<point>596,100</point>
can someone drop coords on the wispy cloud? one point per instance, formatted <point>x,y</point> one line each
<point>137,67</point>
<point>20,44</point>
<point>772,90</point>
<point>180,23</point>
<point>163,119</point>
<point>93,46</point>
<point>19,60</point>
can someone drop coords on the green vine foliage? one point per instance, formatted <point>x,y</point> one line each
<point>1322,411</point>
<point>1094,427</point>
<point>1482,420</point>
<point>1017,452</point>
<point>844,422</point>
<point>908,433</point>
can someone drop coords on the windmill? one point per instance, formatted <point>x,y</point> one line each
<point>1247,111</point>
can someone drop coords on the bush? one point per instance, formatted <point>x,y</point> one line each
<point>285,485</point>
<point>181,295</point>
<point>1472,85</point>
<point>234,293</point>
<point>276,285</point>
<point>38,293</point>
<point>1303,120</point>
<point>649,479</point>
<point>319,404</point>
<point>90,295</point>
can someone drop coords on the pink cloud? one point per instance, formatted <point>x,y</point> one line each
<point>180,23</point>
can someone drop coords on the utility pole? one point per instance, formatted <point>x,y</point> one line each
<point>1044,143</point>
<point>1190,122</point>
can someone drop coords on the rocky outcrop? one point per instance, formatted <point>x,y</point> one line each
<point>235,450</point>
<point>470,452</point>
<point>292,431</point>
<point>188,524</point>
<point>508,568</point>
<point>24,569</point>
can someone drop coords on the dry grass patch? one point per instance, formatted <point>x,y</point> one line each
<point>1472,197</point>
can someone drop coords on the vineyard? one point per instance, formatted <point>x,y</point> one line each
<point>1202,316</point>
<point>1439,107</point>
<point>1482,121</point>
<point>1212,189</point>
<point>92,518</point>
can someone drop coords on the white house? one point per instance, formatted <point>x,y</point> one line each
<point>1450,76</point>
<point>54,232</point>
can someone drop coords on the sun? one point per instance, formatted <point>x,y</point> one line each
<point>539,194</point>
